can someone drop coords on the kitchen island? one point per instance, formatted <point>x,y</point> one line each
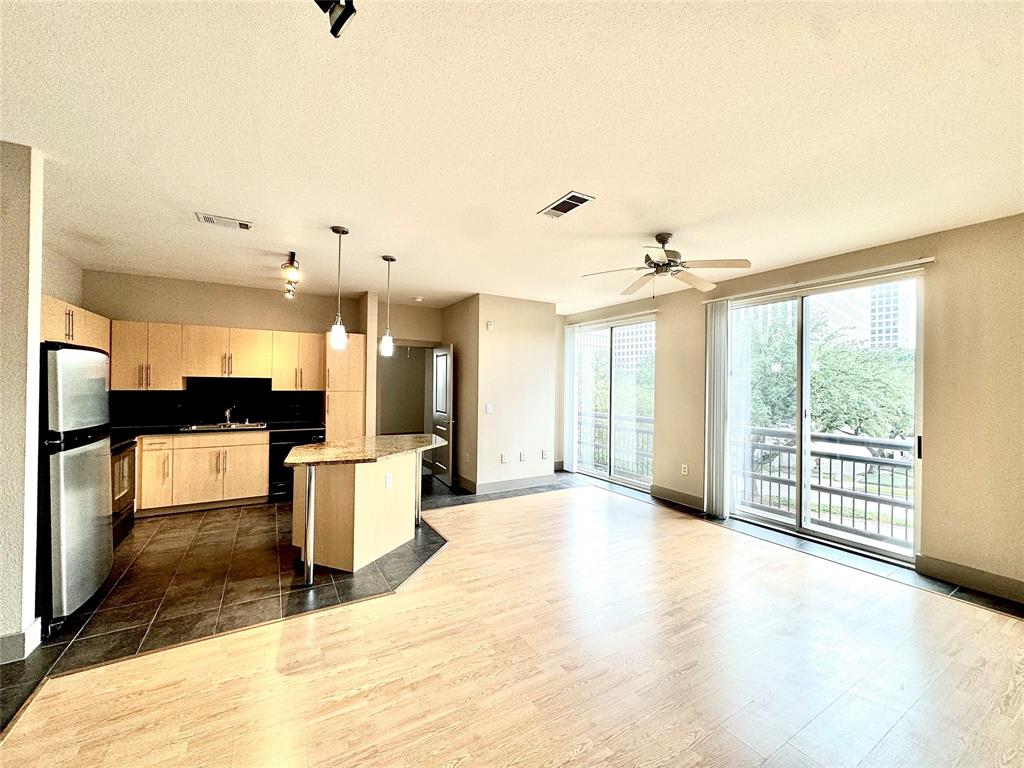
<point>355,500</point>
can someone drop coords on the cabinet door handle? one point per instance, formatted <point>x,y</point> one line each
<point>296,378</point>
<point>328,378</point>
<point>149,375</point>
<point>231,363</point>
<point>67,324</point>
<point>328,398</point>
<point>72,324</point>
<point>225,459</point>
<point>140,375</point>
<point>167,466</point>
<point>300,379</point>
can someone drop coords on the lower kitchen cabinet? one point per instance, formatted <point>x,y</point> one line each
<point>346,415</point>
<point>155,479</point>
<point>184,469</point>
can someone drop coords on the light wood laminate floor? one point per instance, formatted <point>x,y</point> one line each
<point>578,628</point>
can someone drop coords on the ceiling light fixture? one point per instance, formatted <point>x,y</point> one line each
<point>289,291</point>
<point>337,12</point>
<point>387,341</point>
<point>291,268</point>
<point>339,337</point>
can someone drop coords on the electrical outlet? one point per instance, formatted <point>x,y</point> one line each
<point>522,455</point>
<point>504,459</point>
<point>465,456</point>
<point>387,480</point>
<point>545,454</point>
<point>686,469</point>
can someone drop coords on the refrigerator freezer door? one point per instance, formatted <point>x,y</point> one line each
<point>78,384</point>
<point>82,547</point>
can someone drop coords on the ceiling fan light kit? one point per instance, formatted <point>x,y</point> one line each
<point>672,263</point>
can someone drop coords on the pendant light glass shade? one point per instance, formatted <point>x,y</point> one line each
<point>339,337</point>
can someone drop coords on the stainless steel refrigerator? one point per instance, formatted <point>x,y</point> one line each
<point>75,509</point>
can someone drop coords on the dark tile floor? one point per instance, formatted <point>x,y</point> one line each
<point>183,577</point>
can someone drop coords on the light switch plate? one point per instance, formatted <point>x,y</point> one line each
<point>545,454</point>
<point>504,459</point>
<point>522,455</point>
<point>489,408</point>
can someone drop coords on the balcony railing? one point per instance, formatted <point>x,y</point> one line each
<point>864,486</point>
<point>632,453</point>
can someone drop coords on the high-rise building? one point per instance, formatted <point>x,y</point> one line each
<point>893,315</point>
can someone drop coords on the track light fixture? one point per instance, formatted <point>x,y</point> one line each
<point>337,12</point>
<point>291,268</point>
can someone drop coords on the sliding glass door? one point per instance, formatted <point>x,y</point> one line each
<point>614,408</point>
<point>822,414</point>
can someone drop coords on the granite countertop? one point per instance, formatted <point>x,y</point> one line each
<point>360,450</point>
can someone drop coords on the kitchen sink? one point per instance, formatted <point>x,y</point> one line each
<point>225,426</point>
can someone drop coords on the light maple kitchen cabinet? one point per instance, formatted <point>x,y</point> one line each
<point>204,350</point>
<point>145,355</point>
<point>210,350</point>
<point>156,471</point>
<point>61,321</point>
<point>249,353</point>
<point>202,468</point>
<point>298,361</point>
<point>346,368</point>
<point>345,415</point>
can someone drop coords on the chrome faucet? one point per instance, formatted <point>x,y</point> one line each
<point>227,415</point>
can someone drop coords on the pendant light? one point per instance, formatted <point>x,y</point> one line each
<point>387,341</point>
<point>339,337</point>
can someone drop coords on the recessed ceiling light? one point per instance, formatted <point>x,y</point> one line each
<point>417,299</point>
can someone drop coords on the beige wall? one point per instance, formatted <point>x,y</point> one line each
<point>516,359</point>
<point>461,329</point>
<point>62,278</point>
<point>973,367</point>
<point>411,322</point>
<point>159,299</point>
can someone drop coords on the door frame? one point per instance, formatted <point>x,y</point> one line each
<point>446,475</point>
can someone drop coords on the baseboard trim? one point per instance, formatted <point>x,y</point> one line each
<point>465,483</point>
<point>514,485</point>
<point>972,578</point>
<point>18,645</point>
<point>694,504</point>
<point>205,506</point>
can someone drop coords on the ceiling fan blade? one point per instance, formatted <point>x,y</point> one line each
<point>691,279</point>
<point>717,264</point>
<point>636,285</point>
<point>609,271</point>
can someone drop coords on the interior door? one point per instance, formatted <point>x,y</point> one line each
<point>439,461</point>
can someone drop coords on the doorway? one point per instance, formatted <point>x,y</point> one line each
<point>822,414</point>
<point>614,402</point>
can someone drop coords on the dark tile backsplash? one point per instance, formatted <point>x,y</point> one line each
<point>204,400</point>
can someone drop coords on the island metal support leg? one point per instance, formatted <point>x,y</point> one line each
<point>419,485</point>
<point>307,547</point>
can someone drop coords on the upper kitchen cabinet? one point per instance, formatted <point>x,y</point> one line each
<point>311,361</point>
<point>346,368</point>
<point>204,350</point>
<point>298,361</point>
<point>145,355</point>
<point>61,321</point>
<point>250,353</point>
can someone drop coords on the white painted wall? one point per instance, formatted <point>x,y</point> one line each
<point>62,277</point>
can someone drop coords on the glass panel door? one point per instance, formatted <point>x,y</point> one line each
<point>763,387</point>
<point>632,438</point>
<point>847,360</point>
<point>593,399</point>
<point>862,359</point>
<point>614,407</point>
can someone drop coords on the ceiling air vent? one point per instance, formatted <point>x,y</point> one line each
<point>223,221</point>
<point>565,204</point>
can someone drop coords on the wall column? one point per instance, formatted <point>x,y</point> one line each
<point>21,249</point>
<point>368,309</point>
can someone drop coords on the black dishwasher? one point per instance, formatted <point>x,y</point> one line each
<point>281,442</point>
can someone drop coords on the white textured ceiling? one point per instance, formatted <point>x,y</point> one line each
<point>435,131</point>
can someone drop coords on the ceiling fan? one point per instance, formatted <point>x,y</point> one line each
<point>671,262</point>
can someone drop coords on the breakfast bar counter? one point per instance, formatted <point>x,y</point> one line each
<point>358,498</point>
